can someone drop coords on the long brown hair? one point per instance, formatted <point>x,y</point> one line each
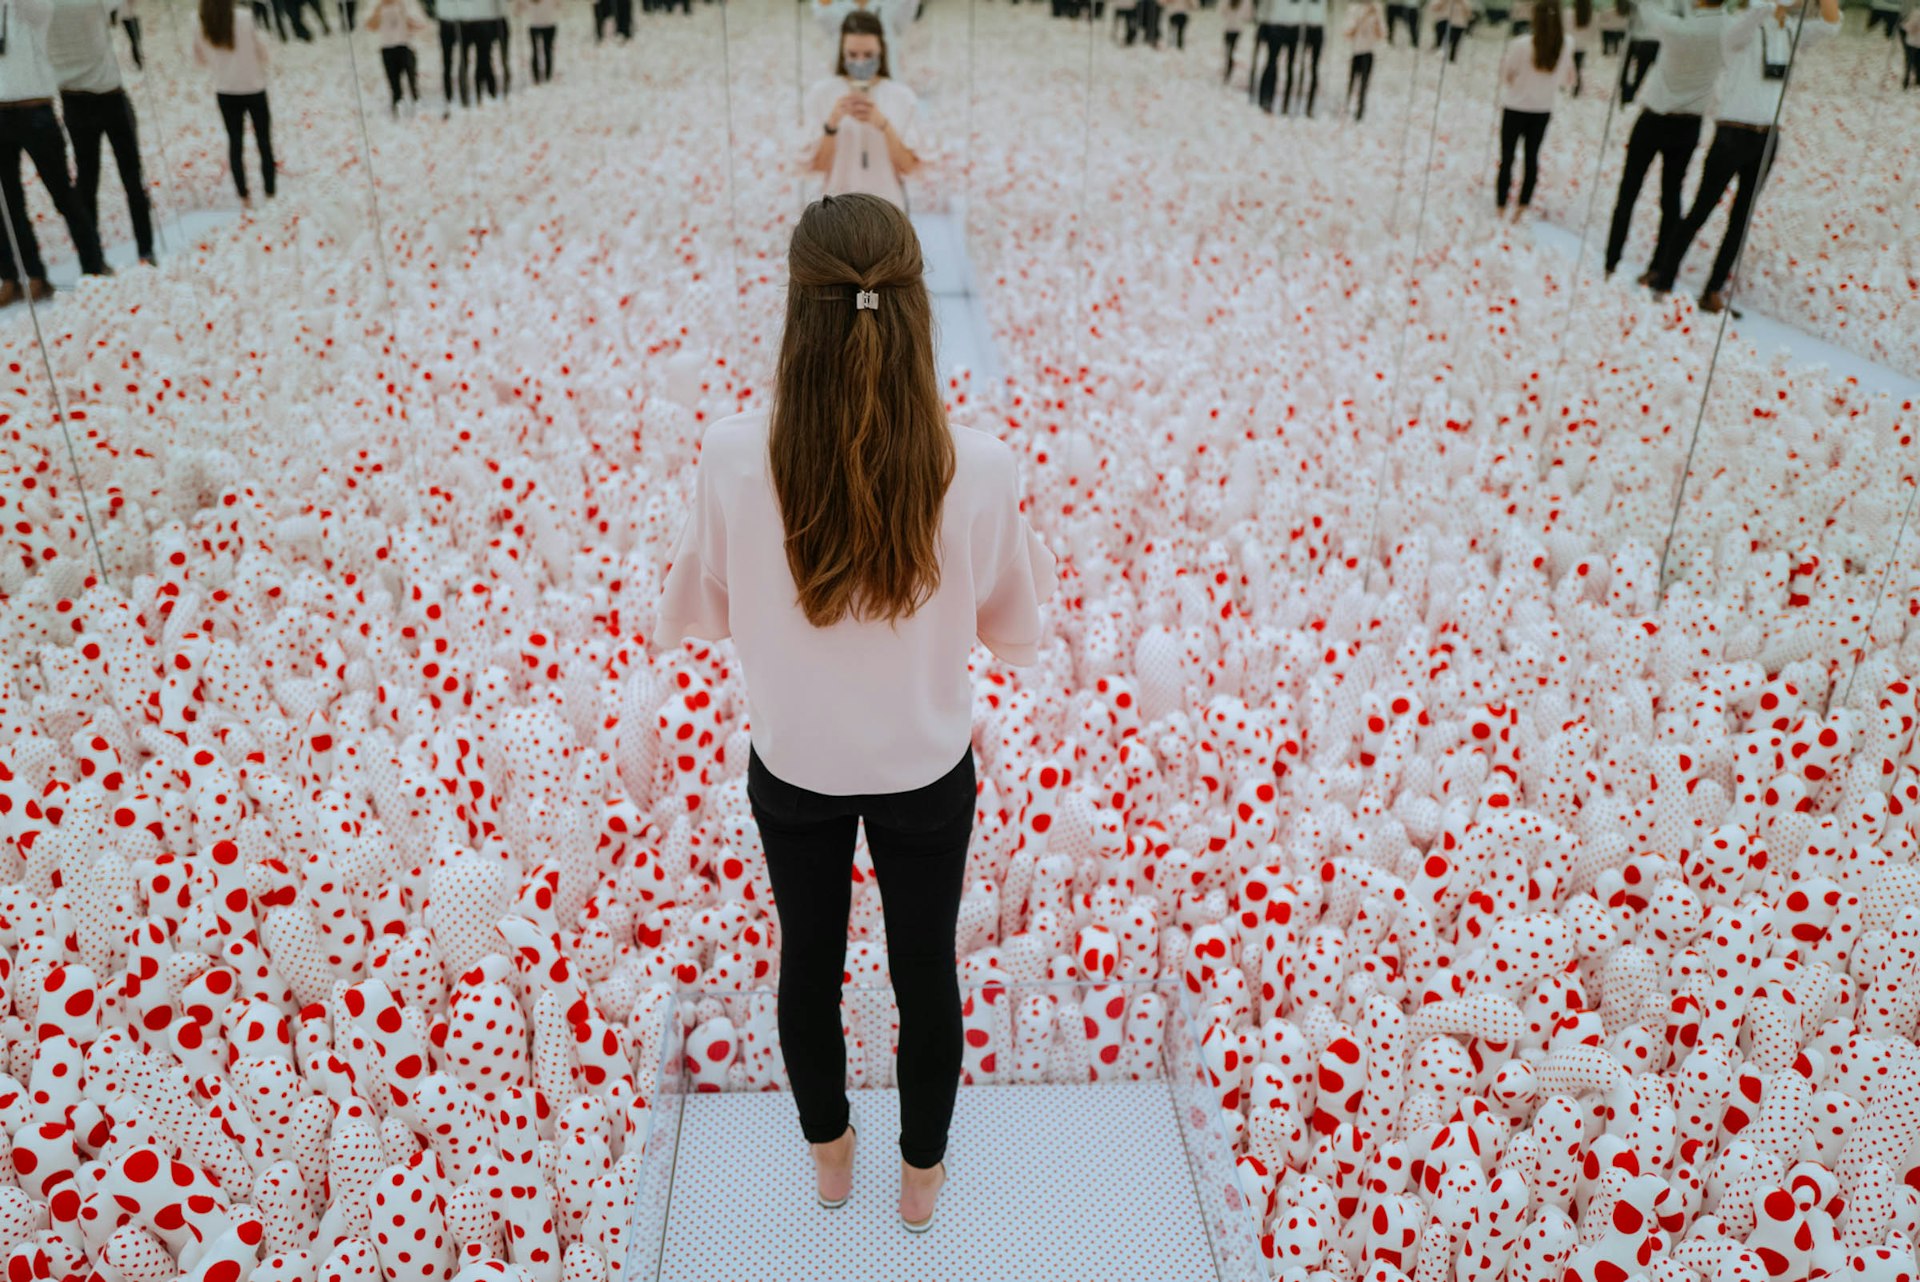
<point>216,22</point>
<point>861,22</point>
<point>860,451</point>
<point>1548,34</point>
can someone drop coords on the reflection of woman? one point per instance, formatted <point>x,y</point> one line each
<point>1233,16</point>
<point>865,122</point>
<point>543,20</point>
<point>228,44</point>
<point>854,544</point>
<point>478,30</point>
<point>1536,65</point>
<point>1450,19</point>
<point>1613,26</point>
<point>94,106</point>
<point>394,23</point>
<point>1364,31</point>
<point>895,17</point>
<point>1582,28</point>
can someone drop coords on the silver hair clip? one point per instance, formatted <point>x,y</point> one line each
<point>866,299</point>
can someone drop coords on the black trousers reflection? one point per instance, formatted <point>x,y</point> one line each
<point>403,72</point>
<point>35,131</point>
<point>90,117</point>
<point>476,59</point>
<point>1913,67</point>
<point>235,110</point>
<point>1633,71</point>
<point>1738,157</point>
<point>449,41</point>
<point>1407,13</point>
<point>1610,42</point>
<point>1449,34</point>
<point>1517,127</point>
<point>918,840</point>
<point>1670,139</point>
<point>1888,18</point>
<point>1276,38</point>
<point>1233,43</point>
<point>1359,76</point>
<point>541,62</point>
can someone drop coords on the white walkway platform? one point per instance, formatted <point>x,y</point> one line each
<point>1049,1184</point>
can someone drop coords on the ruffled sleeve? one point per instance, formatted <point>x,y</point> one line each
<point>693,598</point>
<point>1008,612</point>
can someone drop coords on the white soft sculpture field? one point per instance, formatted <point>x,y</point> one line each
<point>355,838</point>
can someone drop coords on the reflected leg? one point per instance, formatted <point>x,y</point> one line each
<point>1233,38</point>
<point>1680,135</point>
<point>256,105</point>
<point>411,64</point>
<point>469,38</point>
<point>393,60</point>
<point>449,37</point>
<point>132,28</point>
<point>809,843</point>
<point>1642,147</point>
<point>919,840</point>
<point>1315,38</point>
<point>1509,140</point>
<point>82,114</point>
<point>1533,131</point>
<point>1359,75</point>
<point>12,141</point>
<point>504,30</point>
<point>233,116</point>
<point>1750,162</point>
<point>122,131</point>
<point>1290,45</point>
<point>48,147</point>
<point>1579,70</point>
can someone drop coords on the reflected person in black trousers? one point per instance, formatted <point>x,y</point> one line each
<point>95,107</point>
<point>28,124</point>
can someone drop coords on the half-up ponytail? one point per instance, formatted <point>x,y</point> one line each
<point>860,451</point>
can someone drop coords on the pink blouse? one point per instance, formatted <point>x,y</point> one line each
<point>857,707</point>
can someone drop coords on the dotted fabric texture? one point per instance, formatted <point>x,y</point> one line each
<point>1048,1184</point>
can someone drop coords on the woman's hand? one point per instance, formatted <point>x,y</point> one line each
<point>849,104</point>
<point>867,114</point>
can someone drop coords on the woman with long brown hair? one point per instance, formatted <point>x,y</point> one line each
<point>854,544</point>
<point>863,125</point>
<point>228,44</point>
<point>1535,67</point>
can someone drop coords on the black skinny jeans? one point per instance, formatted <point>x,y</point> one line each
<point>1670,139</point>
<point>1274,38</point>
<point>1359,76</point>
<point>1233,42</point>
<point>449,41</point>
<point>91,117</point>
<point>235,110</point>
<point>1913,67</point>
<point>1407,13</point>
<point>918,840</point>
<point>541,63</point>
<point>476,59</point>
<point>1518,127</point>
<point>1738,154</point>
<point>402,69</point>
<point>33,129</point>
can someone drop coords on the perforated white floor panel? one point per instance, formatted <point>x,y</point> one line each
<point>1046,1184</point>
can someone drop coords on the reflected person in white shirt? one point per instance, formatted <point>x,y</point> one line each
<point>1760,44</point>
<point>28,125</point>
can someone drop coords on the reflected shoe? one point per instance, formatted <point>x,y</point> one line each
<point>1714,302</point>
<point>819,1193</point>
<point>10,293</point>
<point>921,1226</point>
